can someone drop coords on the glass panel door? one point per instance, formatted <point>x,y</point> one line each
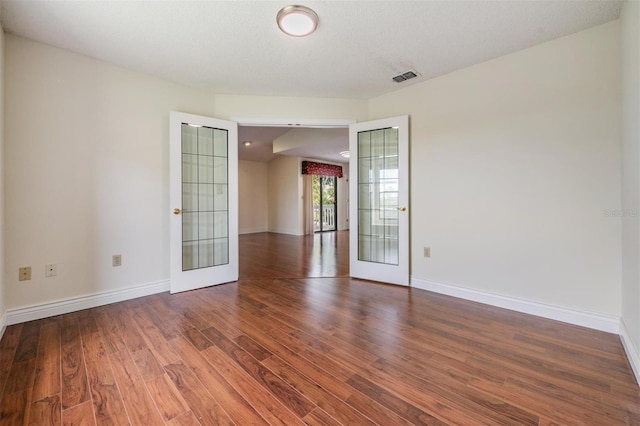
<point>205,223</point>
<point>324,203</point>
<point>203,193</point>
<point>379,194</point>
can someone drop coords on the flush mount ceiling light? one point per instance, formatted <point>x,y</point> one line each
<point>297,21</point>
<point>246,143</point>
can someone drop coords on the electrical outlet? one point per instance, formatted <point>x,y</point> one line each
<point>24,273</point>
<point>116,260</point>
<point>50,270</point>
<point>427,252</point>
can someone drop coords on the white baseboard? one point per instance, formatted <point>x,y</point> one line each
<point>608,323</point>
<point>253,230</point>
<point>284,231</point>
<point>633,355</point>
<point>3,324</point>
<point>59,307</point>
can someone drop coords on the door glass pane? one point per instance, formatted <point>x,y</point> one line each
<point>205,225</point>
<point>205,197</point>
<point>220,197</point>
<point>378,196</point>
<point>190,196</point>
<point>328,203</point>
<point>324,203</point>
<point>189,255</point>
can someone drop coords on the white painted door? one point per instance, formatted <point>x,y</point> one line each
<point>379,200</point>
<point>204,201</point>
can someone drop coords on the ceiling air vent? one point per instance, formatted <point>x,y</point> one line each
<point>407,75</point>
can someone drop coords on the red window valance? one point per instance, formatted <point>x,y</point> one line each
<point>312,168</point>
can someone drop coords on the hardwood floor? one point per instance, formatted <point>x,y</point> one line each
<point>267,255</point>
<point>281,348</point>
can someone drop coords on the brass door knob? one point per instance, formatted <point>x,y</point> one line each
<point>402,208</point>
<point>176,211</point>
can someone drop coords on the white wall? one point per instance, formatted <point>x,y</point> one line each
<point>285,195</point>
<point>514,164</point>
<point>2,199</point>
<point>86,172</point>
<point>87,168</point>
<point>631,179</point>
<point>253,185</point>
<point>274,107</point>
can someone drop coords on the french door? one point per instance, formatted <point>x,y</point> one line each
<point>204,201</point>
<point>379,200</point>
<point>324,203</point>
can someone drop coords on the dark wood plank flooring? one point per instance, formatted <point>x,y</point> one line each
<point>290,345</point>
<point>266,255</point>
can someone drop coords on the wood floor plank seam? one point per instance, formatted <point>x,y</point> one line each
<point>141,406</point>
<point>278,348</point>
<point>280,341</point>
<point>8,347</point>
<point>269,407</point>
<point>226,394</point>
<point>265,377</point>
<point>331,408</point>
<point>104,358</point>
<point>142,348</point>
<point>193,392</point>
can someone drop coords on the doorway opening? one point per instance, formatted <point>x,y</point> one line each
<point>304,233</point>
<point>325,203</point>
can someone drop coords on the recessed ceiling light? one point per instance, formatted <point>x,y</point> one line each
<point>345,154</point>
<point>246,143</point>
<point>297,21</point>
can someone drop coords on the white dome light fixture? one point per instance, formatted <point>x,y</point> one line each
<point>297,21</point>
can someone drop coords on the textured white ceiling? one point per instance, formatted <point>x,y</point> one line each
<point>318,144</point>
<point>235,47</point>
<point>315,144</point>
<point>261,139</point>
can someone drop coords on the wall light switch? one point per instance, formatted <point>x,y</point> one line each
<point>116,260</point>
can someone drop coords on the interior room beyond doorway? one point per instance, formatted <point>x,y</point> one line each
<point>267,255</point>
<point>276,238</point>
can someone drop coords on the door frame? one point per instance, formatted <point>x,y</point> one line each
<point>310,123</point>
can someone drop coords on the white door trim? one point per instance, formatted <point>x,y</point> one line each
<point>292,122</point>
